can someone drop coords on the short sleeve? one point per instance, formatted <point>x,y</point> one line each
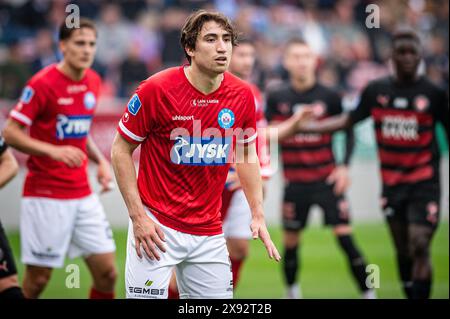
<point>248,134</point>
<point>30,104</point>
<point>135,124</point>
<point>364,108</point>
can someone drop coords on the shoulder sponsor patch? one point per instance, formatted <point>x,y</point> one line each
<point>134,105</point>
<point>27,95</point>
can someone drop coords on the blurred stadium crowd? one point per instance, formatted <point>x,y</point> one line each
<point>139,37</point>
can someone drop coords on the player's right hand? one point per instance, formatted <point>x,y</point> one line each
<point>69,155</point>
<point>150,236</point>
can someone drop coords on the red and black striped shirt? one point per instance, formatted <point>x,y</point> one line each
<point>405,116</point>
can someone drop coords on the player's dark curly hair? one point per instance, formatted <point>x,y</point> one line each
<point>405,34</point>
<point>194,24</point>
<point>65,32</point>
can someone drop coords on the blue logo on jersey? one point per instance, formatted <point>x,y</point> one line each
<point>89,100</point>
<point>226,118</point>
<point>72,127</point>
<point>27,95</point>
<point>134,105</point>
<point>200,151</point>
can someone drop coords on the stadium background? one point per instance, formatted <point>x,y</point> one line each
<point>139,37</point>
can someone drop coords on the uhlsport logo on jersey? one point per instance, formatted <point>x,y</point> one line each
<point>226,118</point>
<point>200,150</point>
<point>27,95</point>
<point>89,100</point>
<point>134,105</point>
<point>72,127</point>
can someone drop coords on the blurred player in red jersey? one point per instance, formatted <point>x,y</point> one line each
<point>9,283</point>
<point>405,107</point>
<point>236,213</point>
<point>189,121</point>
<point>60,215</point>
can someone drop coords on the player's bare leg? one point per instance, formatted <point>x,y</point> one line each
<point>238,250</point>
<point>420,237</point>
<point>356,261</point>
<point>35,280</point>
<point>291,264</point>
<point>104,275</point>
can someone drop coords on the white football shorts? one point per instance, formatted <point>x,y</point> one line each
<point>202,265</point>
<point>239,217</point>
<point>50,229</point>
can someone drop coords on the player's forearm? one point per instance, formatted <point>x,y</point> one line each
<point>93,152</point>
<point>8,168</point>
<point>282,130</point>
<point>328,125</point>
<point>125,172</point>
<point>15,136</point>
<point>248,170</point>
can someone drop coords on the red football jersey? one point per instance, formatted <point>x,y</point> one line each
<point>187,140</point>
<point>58,110</point>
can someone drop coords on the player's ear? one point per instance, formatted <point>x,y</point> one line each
<point>62,46</point>
<point>189,51</point>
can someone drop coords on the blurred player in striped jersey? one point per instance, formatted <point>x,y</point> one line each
<point>405,107</point>
<point>9,283</point>
<point>313,177</point>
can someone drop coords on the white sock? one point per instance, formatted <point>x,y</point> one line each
<point>294,292</point>
<point>369,294</point>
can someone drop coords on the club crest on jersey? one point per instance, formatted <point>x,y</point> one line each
<point>27,95</point>
<point>226,118</point>
<point>200,151</point>
<point>72,127</point>
<point>134,105</point>
<point>421,103</point>
<point>89,100</point>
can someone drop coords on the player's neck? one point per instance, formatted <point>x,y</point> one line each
<point>70,72</point>
<point>205,83</point>
<point>303,84</point>
<point>406,78</point>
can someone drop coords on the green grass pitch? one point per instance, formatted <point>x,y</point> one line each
<point>324,272</point>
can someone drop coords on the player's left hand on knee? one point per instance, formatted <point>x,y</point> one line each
<point>259,230</point>
<point>340,179</point>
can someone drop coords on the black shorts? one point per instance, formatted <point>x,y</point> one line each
<point>7,265</point>
<point>413,204</point>
<point>298,199</point>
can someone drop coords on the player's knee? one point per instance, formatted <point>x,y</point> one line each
<point>291,240</point>
<point>39,281</point>
<point>110,276</point>
<point>341,230</point>
<point>419,247</point>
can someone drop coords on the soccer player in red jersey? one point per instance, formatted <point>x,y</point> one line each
<point>59,213</point>
<point>189,121</point>
<point>236,214</point>
<point>405,108</point>
<point>9,283</point>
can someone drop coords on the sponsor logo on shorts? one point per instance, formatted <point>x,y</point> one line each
<point>45,255</point>
<point>146,292</point>
<point>433,210</point>
<point>200,151</point>
<point>72,127</point>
